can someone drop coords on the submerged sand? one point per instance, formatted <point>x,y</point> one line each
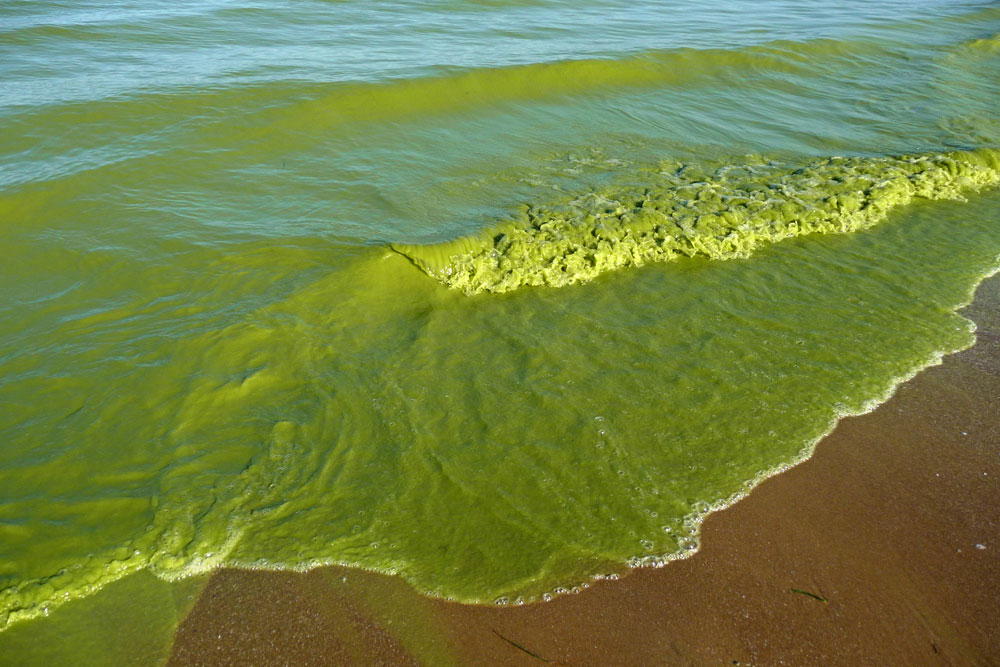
<point>883,548</point>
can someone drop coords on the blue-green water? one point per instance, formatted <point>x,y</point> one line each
<point>496,296</point>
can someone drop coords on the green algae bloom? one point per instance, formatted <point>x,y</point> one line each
<point>688,212</point>
<point>221,345</point>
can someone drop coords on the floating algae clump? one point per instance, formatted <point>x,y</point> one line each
<point>687,212</point>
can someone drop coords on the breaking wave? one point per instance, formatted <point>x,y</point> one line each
<point>688,211</point>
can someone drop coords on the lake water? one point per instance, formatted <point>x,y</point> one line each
<point>497,296</point>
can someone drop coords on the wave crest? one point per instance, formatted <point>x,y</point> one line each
<point>720,215</point>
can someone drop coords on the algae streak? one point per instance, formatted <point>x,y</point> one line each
<point>688,212</point>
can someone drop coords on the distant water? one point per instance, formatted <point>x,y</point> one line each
<point>496,296</point>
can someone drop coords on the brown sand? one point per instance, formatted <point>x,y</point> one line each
<point>894,524</point>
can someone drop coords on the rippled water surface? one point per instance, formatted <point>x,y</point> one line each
<point>496,296</point>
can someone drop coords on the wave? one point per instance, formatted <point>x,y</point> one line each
<point>263,107</point>
<point>721,215</point>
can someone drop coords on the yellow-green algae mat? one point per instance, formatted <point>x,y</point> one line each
<point>684,211</point>
<point>491,447</point>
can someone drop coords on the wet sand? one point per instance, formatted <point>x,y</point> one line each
<point>883,548</point>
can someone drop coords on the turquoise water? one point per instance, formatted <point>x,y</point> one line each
<point>500,297</point>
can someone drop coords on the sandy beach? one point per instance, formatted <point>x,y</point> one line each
<point>880,549</point>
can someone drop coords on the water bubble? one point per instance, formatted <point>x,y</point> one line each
<point>546,596</point>
<point>502,601</point>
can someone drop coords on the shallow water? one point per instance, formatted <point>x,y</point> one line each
<point>222,345</point>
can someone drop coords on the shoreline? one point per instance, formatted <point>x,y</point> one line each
<point>880,547</point>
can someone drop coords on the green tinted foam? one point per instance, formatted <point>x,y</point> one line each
<point>686,212</point>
